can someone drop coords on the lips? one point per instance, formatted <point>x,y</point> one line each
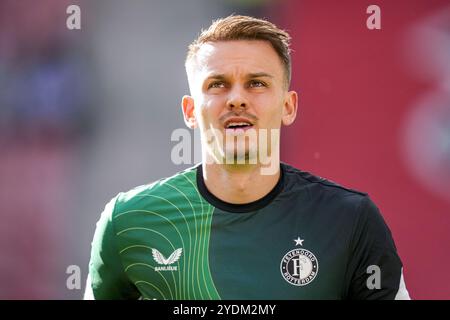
<point>238,123</point>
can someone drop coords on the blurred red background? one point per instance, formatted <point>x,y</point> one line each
<point>375,116</point>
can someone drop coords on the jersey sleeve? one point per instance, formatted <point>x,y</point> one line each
<point>374,269</point>
<point>107,279</point>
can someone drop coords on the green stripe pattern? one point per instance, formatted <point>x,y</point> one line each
<point>165,216</point>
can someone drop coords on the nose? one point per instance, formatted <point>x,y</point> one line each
<point>237,100</point>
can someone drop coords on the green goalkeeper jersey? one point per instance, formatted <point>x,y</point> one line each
<point>308,238</point>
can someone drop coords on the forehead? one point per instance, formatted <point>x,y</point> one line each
<point>237,57</point>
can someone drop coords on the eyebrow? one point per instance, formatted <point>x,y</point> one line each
<point>260,75</point>
<point>221,76</point>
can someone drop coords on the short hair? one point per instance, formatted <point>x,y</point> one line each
<point>238,27</point>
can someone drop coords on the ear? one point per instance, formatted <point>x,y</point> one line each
<point>290,108</point>
<point>187,105</point>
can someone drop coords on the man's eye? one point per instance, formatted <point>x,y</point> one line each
<point>217,84</point>
<point>257,84</point>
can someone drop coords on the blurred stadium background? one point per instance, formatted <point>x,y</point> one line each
<point>87,113</point>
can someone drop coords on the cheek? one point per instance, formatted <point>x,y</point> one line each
<point>270,109</point>
<point>211,108</point>
<point>206,113</point>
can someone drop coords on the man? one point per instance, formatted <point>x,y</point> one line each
<point>242,225</point>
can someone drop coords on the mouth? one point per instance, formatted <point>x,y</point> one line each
<point>235,124</point>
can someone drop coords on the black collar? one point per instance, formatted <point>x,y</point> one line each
<point>238,208</point>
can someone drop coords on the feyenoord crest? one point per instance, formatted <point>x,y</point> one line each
<point>299,266</point>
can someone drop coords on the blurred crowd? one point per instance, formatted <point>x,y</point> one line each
<point>44,100</point>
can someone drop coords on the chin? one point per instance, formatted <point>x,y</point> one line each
<point>246,157</point>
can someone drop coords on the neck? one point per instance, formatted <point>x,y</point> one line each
<point>239,184</point>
